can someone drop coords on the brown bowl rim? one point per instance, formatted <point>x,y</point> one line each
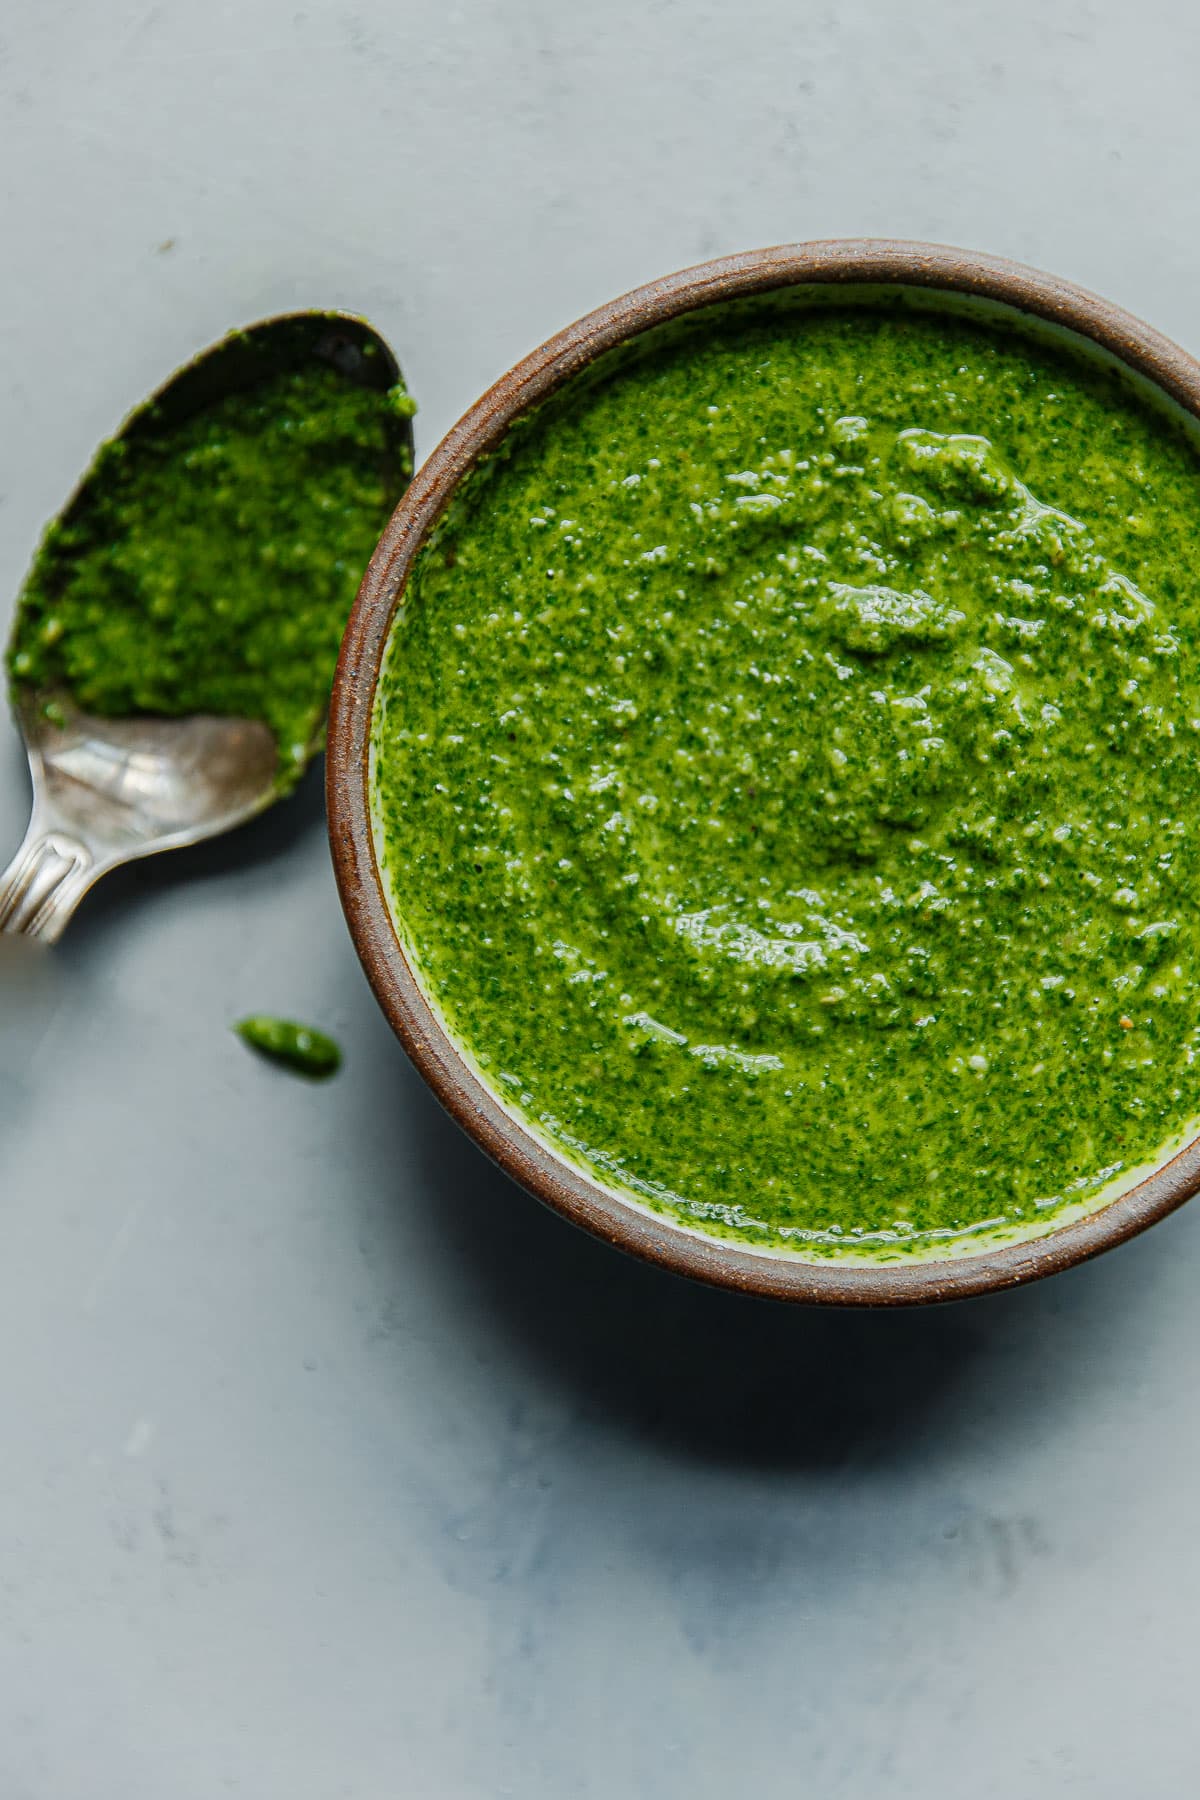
<point>523,1156</point>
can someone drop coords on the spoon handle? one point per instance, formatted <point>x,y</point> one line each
<point>44,883</point>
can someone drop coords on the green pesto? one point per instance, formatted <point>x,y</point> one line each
<point>787,770</point>
<point>297,1047</point>
<point>209,565</point>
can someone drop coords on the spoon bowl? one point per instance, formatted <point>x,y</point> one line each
<point>109,790</point>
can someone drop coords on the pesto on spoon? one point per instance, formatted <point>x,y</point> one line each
<point>175,639</point>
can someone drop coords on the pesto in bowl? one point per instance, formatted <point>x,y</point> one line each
<point>784,769</point>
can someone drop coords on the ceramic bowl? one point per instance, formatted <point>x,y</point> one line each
<point>984,283</point>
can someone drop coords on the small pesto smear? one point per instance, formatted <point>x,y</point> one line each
<point>298,1047</point>
<point>209,566</point>
<point>787,772</point>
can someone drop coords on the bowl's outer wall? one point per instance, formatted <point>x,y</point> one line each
<point>523,1156</point>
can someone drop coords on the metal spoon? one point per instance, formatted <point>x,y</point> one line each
<point>107,791</point>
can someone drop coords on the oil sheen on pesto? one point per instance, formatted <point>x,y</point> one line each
<point>209,567</point>
<point>787,766</point>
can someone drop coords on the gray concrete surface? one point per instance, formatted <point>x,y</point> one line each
<point>331,1466</point>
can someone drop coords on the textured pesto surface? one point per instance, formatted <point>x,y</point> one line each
<point>210,566</point>
<point>786,768</point>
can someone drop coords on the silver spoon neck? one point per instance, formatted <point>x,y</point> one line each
<point>45,882</point>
